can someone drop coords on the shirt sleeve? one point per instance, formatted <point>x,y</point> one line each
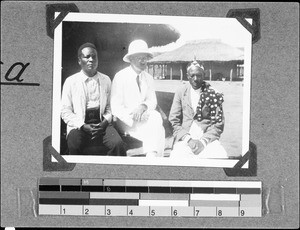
<point>116,102</point>
<point>67,113</point>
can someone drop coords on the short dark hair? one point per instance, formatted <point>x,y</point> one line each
<point>87,44</point>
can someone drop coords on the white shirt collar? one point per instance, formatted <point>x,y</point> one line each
<point>85,77</point>
<point>134,73</point>
<point>195,95</point>
<point>198,91</point>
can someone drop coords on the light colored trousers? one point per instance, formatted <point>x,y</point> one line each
<point>212,150</point>
<point>150,131</point>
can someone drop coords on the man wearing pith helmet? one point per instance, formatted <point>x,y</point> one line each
<point>197,117</point>
<point>85,107</point>
<point>133,102</point>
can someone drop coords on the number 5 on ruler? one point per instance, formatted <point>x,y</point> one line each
<point>152,212</point>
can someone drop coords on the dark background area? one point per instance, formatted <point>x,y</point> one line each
<point>112,41</point>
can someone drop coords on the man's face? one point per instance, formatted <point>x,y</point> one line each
<point>195,76</point>
<point>139,61</point>
<point>88,61</point>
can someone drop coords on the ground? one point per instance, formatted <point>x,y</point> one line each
<point>231,138</point>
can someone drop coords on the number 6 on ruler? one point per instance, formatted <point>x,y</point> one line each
<point>175,212</point>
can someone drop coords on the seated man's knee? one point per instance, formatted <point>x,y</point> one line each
<point>117,146</point>
<point>112,138</point>
<point>117,141</point>
<point>76,141</point>
<point>155,117</point>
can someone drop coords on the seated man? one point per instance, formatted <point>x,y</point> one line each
<point>133,102</point>
<point>86,107</point>
<point>197,117</point>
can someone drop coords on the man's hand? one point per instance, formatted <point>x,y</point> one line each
<point>95,130</point>
<point>90,129</point>
<point>196,146</point>
<point>138,112</point>
<point>103,125</point>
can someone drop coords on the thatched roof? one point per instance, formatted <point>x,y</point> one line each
<point>203,50</point>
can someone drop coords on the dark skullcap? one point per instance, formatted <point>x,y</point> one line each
<point>87,44</point>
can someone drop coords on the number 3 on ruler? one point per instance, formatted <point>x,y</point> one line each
<point>108,212</point>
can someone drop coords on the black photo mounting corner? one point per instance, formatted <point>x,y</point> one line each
<point>48,153</point>
<point>64,9</point>
<point>251,157</point>
<point>242,14</point>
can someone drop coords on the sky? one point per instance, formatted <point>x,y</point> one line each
<point>228,30</point>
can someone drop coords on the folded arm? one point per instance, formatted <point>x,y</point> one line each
<point>214,131</point>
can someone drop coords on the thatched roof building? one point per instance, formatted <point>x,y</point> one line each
<point>216,56</point>
<point>204,50</point>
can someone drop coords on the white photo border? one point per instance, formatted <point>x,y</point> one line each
<point>153,19</point>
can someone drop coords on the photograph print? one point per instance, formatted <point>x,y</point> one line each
<point>151,90</point>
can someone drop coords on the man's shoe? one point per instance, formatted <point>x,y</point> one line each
<point>137,152</point>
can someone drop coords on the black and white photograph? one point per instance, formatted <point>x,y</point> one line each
<point>154,90</point>
<point>164,114</point>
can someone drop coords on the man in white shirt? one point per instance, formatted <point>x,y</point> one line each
<point>197,117</point>
<point>85,107</point>
<point>133,102</point>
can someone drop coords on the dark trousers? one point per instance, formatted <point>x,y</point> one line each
<point>78,140</point>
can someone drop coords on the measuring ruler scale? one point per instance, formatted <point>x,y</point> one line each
<point>176,198</point>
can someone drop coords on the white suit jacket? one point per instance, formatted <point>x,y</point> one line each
<point>126,96</point>
<point>74,95</point>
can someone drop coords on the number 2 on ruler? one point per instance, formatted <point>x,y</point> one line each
<point>86,211</point>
